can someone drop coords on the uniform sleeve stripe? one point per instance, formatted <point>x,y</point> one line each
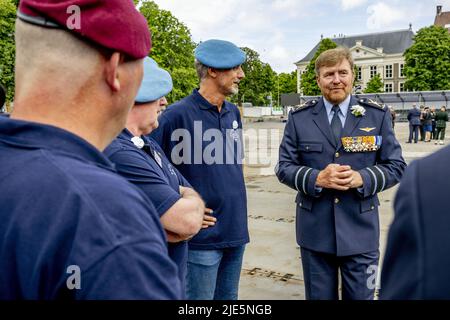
<point>296,177</point>
<point>305,178</point>
<point>375,182</point>
<point>383,178</point>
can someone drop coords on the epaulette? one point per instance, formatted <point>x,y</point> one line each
<point>306,105</point>
<point>371,103</point>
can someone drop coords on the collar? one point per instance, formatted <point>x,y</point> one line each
<point>343,106</point>
<point>33,135</point>
<point>127,135</point>
<point>205,104</point>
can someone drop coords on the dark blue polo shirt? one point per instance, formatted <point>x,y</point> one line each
<point>150,170</point>
<point>64,207</point>
<point>206,147</point>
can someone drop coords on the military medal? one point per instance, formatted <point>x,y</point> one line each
<point>361,143</point>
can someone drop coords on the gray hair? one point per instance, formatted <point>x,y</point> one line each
<point>202,70</point>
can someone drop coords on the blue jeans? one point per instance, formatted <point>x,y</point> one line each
<point>214,274</point>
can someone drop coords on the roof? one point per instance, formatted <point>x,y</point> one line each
<point>392,42</point>
<point>442,19</point>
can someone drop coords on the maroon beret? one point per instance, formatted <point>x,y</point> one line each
<point>113,24</point>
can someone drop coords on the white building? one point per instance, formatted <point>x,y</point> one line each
<point>373,53</point>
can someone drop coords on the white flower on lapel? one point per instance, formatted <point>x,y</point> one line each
<point>358,111</point>
<point>138,142</point>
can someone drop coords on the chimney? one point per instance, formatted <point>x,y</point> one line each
<point>438,10</point>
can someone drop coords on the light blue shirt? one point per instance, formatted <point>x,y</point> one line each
<point>343,106</point>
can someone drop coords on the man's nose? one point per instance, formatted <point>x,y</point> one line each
<point>336,77</point>
<point>241,73</point>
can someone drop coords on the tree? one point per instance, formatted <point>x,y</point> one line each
<point>259,81</point>
<point>172,49</point>
<point>7,46</point>
<point>285,83</point>
<point>308,83</point>
<point>427,61</point>
<point>375,85</point>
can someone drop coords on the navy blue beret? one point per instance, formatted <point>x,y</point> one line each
<point>156,83</point>
<point>219,54</point>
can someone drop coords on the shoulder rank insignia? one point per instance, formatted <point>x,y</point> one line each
<point>370,103</point>
<point>367,129</point>
<point>307,104</point>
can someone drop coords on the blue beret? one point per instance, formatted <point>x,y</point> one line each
<point>156,83</point>
<point>219,54</point>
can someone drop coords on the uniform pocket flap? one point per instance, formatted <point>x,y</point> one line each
<point>310,147</point>
<point>303,202</point>
<point>369,204</point>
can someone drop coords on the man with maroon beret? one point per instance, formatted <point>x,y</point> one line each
<point>70,227</point>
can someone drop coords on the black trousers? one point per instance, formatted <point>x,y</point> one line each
<point>321,270</point>
<point>414,129</point>
<point>440,131</point>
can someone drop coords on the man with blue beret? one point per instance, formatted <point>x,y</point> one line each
<point>141,161</point>
<point>71,227</point>
<point>338,153</point>
<point>202,135</point>
<point>416,263</point>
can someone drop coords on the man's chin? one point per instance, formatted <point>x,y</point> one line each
<point>336,98</point>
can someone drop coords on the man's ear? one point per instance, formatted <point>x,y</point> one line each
<point>212,73</point>
<point>112,71</point>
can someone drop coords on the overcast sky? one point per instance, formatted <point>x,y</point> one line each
<point>284,31</point>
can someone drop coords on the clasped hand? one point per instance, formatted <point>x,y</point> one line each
<point>339,177</point>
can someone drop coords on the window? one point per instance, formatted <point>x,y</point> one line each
<point>388,87</point>
<point>402,66</point>
<point>388,71</point>
<point>402,86</point>
<point>358,73</point>
<point>373,71</point>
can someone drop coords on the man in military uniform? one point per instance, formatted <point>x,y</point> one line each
<point>338,152</point>
<point>213,168</point>
<point>70,226</point>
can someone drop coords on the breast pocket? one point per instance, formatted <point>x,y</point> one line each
<point>310,147</point>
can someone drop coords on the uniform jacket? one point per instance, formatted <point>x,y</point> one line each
<point>338,222</point>
<point>416,264</point>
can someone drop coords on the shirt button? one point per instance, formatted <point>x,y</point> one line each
<point>372,208</point>
<point>336,200</point>
<point>307,148</point>
<point>337,155</point>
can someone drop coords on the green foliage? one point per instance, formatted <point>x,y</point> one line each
<point>375,85</point>
<point>285,83</point>
<point>427,61</point>
<point>308,83</point>
<point>259,81</point>
<point>7,46</point>
<point>173,49</point>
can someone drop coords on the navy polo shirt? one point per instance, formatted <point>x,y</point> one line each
<point>207,148</point>
<point>68,217</point>
<point>150,170</point>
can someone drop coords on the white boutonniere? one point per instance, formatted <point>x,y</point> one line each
<point>358,111</point>
<point>138,142</point>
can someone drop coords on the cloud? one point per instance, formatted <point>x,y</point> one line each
<point>351,4</point>
<point>382,15</point>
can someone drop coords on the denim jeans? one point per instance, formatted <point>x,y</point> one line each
<point>214,274</point>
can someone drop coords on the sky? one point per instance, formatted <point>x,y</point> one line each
<point>284,31</point>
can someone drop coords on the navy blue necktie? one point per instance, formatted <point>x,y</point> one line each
<point>336,124</point>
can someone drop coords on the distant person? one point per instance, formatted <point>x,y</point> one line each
<point>433,123</point>
<point>338,153</point>
<point>213,168</point>
<point>441,125</point>
<point>142,162</point>
<point>422,122</point>
<point>427,123</point>
<point>393,115</point>
<point>70,226</point>
<point>414,116</point>
<point>416,263</point>
<point>2,97</point>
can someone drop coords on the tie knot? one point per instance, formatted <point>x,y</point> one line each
<point>336,108</point>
